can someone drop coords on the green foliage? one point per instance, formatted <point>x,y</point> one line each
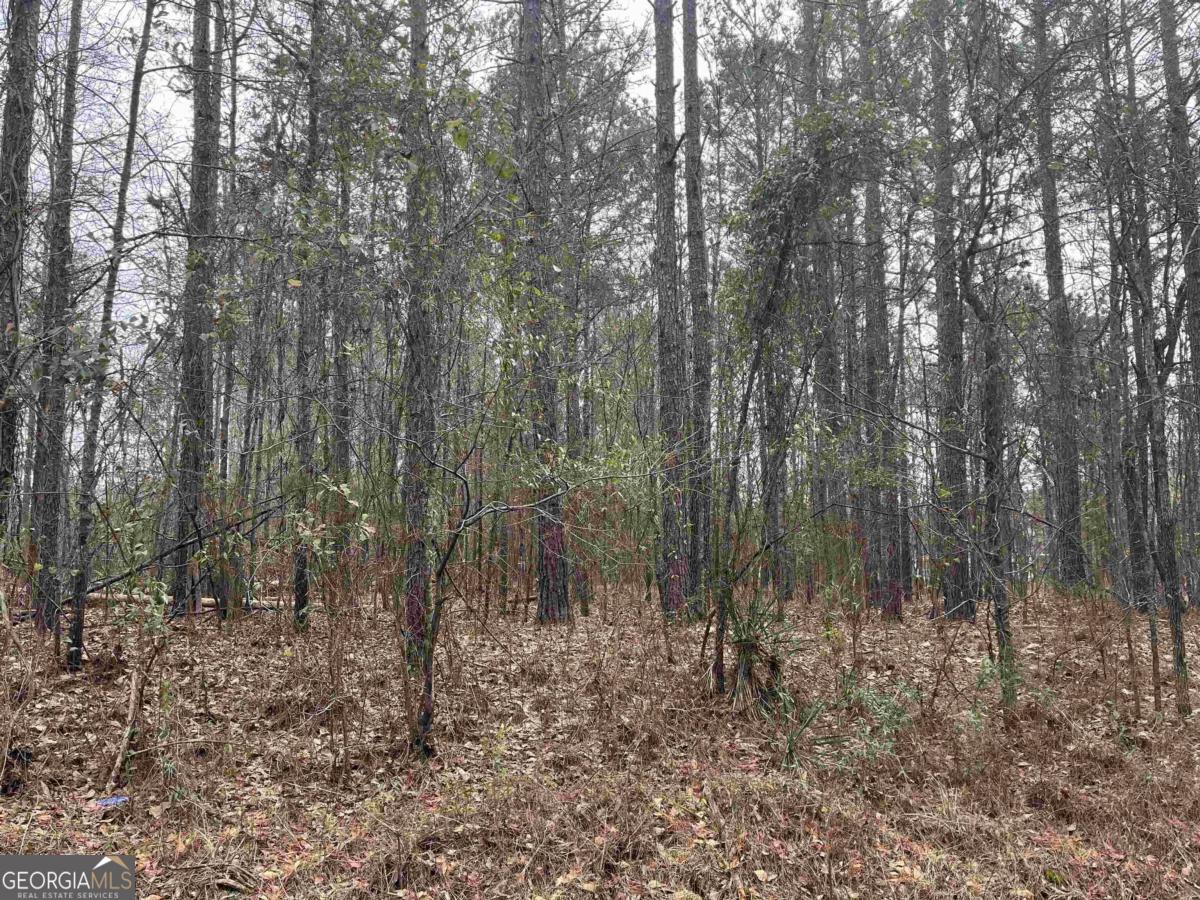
<point>878,715</point>
<point>762,646</point>
<point>147,607</point>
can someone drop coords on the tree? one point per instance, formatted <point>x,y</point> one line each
<point>16,147</point>
<point>952,489</point>
<point>1187,215</point>
<point>700,450</point>
<point>1072,562</point>
<point>53,359</point>
<point>553,596</point>
<point>672,391</point>
<point>309,327</point>
<point>883,579</point>
<point>195,378</point>
<point>422,345</point>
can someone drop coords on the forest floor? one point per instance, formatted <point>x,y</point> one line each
<point>580,761</point>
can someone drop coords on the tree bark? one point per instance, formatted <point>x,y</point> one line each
<point>1063,424</point>
<point>553,592</point>
<point>16,147</point>
<point>49,477</point>
<point>672,390</point>
<point>307,314</point>
<point>700,493</point>
<point>951,484</point>
<point>421,362</point>
<point>195,385</point>
<point>883,579</point>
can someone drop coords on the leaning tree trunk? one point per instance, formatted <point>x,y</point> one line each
<point>89,473</point>
<point>51,410</point>
<point>672,387</point>
<point>16,146</point>
<point>826,488</point>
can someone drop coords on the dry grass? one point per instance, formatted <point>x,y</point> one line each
<point>579,762</point>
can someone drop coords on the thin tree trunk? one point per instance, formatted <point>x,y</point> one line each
<point>1183,180</point>
<point>49,477</point>
<point>308,301</point>
<point>993,532</point>
<point>700,495</point>
<point>951,486</point>
<point>1153,372</point>
<point>672,390</point>
<point>1064,438</point>
<point>341,410</point>
<point>224,574</point>
<point>89,471</point>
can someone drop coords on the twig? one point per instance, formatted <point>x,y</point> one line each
<point>137,691</point>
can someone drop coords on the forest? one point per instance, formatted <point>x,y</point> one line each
<point>563,448</point>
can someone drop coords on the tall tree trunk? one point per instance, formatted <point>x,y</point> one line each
<point>827,482</point>
<point>672,388</point>
<point>422,365</point>
<point>882,514</point>
<point>223,576</point>
<point>195,385</point>
<point>1152,368</point>
<point>16,146</point>
<point>1134,246</point>
<point>1183,177</point>
<point>1063,424</point>
<point>49,477</point>
<point>308,315</point>
<point>553,592</point>
<point>575,221</point>
<point>951,485</point>
<point>700,495</point>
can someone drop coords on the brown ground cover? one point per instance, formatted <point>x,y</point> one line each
<point>588,761</point>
